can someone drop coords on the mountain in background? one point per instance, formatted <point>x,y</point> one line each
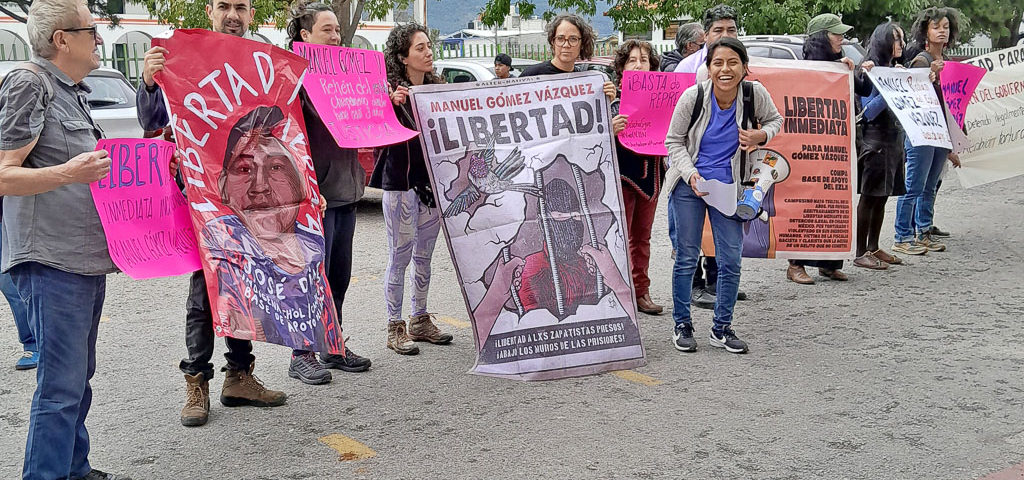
<point>450,16</point>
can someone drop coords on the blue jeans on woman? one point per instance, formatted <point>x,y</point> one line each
<point>64,309</point>
<point>20,312</point>
<point>915,209</point>
<point>689,211</point>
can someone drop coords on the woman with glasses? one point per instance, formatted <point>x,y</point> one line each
<point>571,38</point>
<point>825,36</point>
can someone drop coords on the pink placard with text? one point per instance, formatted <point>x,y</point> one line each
<point>959,80</point>
<point>349,88</point>
<point>144,215</point>
<point>648,99</point>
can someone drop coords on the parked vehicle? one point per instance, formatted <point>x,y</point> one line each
<point>603,64</point>
<point>111,102</point>
<point>475,69</point>
<point>791,47</point>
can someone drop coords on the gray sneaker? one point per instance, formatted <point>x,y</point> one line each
<point>682,338</point>
<point>98,475</point>
<point>308,370</point>
<point>925,240</point>
<point>701,298</point>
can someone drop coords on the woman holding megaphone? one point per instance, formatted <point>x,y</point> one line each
<point>711,126</point>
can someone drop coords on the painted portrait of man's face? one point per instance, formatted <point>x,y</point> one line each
<point>261,183</point>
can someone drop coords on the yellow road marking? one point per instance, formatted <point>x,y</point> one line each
<point>454,322</point>
<point>347,448</point>
<point>104,319</point>
<point>631,376</point>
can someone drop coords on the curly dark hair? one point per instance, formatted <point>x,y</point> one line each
<point>397,48</point>
<point>881,42</point>
<point>918,38</point>
<point>303,18</point>
<point>587,37</point>
<point>622,56</point>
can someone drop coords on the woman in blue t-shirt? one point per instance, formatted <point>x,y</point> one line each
<point>709,148</point>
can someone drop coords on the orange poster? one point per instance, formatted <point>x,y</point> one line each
<point>808,210</point>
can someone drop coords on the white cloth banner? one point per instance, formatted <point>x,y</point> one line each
<point>995,120</point>
<point>911,96</point>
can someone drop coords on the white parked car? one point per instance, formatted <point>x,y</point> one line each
<point>112,102</point>
<point>475,69</point>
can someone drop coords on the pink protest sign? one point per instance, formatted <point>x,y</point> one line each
<point>145,216</point>
<point>648,99</point>
<point>349,88</point>
<point>959,80</point>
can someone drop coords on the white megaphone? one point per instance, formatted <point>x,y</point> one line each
<point>767,167</point>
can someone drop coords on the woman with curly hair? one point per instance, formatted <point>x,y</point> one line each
<point>641,177</point>
<point>934,30</point>
<point>571,38</point>
<point>411,220</point>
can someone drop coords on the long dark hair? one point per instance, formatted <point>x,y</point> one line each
<point>880,45</point>
<point>303,18</point>
<point>730,43</point>
<point>397,48</point>
<point>622,56</point>
<point>817,46</point>
<point>918,40</point>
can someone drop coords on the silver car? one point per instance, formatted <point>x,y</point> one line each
<point>112,101</point>
<point>475,69</point>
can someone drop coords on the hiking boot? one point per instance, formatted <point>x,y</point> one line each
<point>701,298</point>
<point>308,370</point>
<point>909,248</point>
<point>242,388</point>
<point>350,362</point>
<point>936,232</point>
<point>399,341</point>
<point>925,240</point>
<point>27,361</point>
<point>726,338</point>
<point>196,411</point>
<point>422,329</point>
<point>98,475</point>
<point>682,338</point>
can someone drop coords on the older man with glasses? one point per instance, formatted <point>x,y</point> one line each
<point>54,246</point>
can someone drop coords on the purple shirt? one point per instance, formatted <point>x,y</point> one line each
<point>693,62</point>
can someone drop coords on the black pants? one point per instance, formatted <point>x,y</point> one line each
<point>199,337</point>
<point>706,273</point>
<point>826,264</point>
<point>339,230</point>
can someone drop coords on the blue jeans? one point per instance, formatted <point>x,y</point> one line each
<point>65,310</point>
<point>20,312</point>
<point>914,210</point>
<point>689,211</point>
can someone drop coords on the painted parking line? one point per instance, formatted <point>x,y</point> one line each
<point>348,449</point>
<point>454,322</point>
<point>631,376</point>
<point>104,319</point>
<point>1015,472</point>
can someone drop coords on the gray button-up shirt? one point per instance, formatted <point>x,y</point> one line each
<point>60,228</point>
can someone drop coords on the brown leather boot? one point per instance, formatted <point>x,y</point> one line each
<point>197,401</point>
<point>797,274</point>
<point>399,341</point>
<point>242,388</point>
<point>646,305</point>
<point>422,329</point>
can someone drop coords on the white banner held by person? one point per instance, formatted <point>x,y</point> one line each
<point>911,96</point>
<point>995,120</point>
<point>526,180</point>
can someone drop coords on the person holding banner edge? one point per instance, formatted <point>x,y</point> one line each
<point>710,147</point>
<point>340,178</point>
<point>825,35</point>
<point>934,29</point>
<point>411,219</point>
<point>241,387</point>
<point>641,177</point>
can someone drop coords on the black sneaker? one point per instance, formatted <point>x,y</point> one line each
<point>350,362</point>
<point>309,371</point>
<point>98,475</point>
<point>701,298</point>
<point>727,339</point>
<point>713,289</point>
<point>936,232</point>
<point>682,338</point>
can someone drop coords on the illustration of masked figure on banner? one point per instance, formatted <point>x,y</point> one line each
<point>266,265</point>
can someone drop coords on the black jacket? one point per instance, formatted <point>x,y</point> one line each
<point>338,172</point>
<point>401,166</point>
<point>670,60</point>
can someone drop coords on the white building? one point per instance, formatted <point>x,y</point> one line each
<point>131,38</point>
<point>514,33</point>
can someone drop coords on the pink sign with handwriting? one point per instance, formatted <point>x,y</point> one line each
<point>144,215</point>
<point>648,99</point>
<point>349,89</point>
<point>959,80</point>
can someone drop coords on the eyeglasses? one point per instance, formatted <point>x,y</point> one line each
<point>567,41</point>
<point>93,30</point>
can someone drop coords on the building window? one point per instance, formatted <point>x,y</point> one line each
<point>115,7</point>
<point>671,31</point>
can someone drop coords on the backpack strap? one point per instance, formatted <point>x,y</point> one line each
<point>749,121</point>
<point>697,107</point>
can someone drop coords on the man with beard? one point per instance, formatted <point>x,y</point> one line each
<point>232,17</point>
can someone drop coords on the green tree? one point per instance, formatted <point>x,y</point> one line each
<point>998,19</point>
<point>18,10</point>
